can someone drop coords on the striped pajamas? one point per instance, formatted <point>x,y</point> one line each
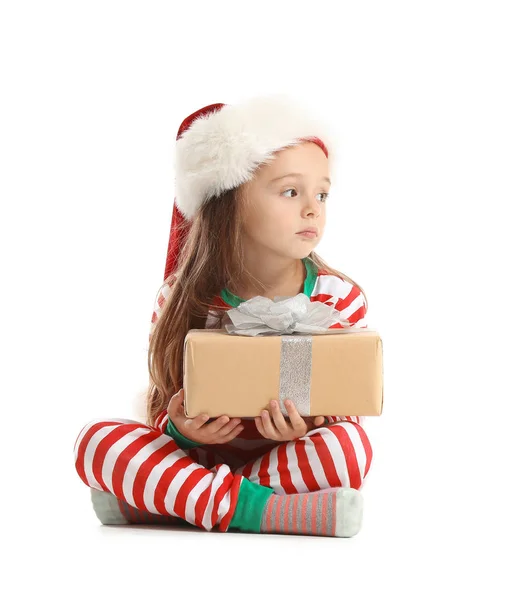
<point>152,477</point>
<point>146,469</point>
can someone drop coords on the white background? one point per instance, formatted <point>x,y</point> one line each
<point>421,97</point>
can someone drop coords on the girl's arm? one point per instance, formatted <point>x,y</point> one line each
<point>162,422</point>
<point>355,312</point>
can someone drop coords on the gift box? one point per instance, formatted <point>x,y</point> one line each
<point>279,349</point>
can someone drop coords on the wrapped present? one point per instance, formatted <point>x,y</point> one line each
<point>283,349</point>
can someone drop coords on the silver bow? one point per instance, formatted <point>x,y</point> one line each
<point>283,315</point>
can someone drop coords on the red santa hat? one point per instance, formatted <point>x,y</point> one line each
<point>219,146</point>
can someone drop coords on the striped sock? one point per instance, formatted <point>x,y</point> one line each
<point>335,512</point>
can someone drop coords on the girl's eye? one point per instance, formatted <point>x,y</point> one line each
<point>325,194</point>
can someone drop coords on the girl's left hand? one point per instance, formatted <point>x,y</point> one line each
<point>277,428</point>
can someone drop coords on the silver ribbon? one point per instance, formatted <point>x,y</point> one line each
<point>288,316</point>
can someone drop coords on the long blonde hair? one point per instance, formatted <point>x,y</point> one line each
<point>210,260</point>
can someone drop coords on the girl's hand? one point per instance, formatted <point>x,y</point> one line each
<point>219,431</point>
<point>280,430</point>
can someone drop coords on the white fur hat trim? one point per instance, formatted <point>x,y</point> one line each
<point>220,151</point>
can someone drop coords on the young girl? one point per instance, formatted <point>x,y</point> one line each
<point>251,179</point>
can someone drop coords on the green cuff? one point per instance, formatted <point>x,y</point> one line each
<point>252,498</point>
<point>182,441</point>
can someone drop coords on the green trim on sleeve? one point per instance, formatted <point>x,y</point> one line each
<point>311,276</point>
<point>182,441</point>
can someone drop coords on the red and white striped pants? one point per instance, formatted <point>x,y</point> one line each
<point>146,468</point>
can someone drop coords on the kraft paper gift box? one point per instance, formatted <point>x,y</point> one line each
<point>279,349</point>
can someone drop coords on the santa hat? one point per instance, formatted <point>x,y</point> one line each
<point>219,146</point>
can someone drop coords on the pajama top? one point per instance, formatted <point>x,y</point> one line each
<point>320,286</point>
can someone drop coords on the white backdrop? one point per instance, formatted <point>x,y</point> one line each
<point>421,96</point>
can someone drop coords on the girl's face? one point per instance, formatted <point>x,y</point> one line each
<point>285,197</point>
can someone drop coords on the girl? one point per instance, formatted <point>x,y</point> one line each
<point>251,180</point>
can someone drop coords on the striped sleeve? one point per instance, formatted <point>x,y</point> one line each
<point>161,421</point>
<point>352,308</point>
<point>163,293</point>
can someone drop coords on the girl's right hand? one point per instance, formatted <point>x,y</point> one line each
<point>220,431</point>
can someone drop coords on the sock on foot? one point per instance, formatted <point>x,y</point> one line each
<point>111,510</point>
<point>106,508</point>
<point>335,512</point>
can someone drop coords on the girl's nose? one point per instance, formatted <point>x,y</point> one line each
<point>312,207</point>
